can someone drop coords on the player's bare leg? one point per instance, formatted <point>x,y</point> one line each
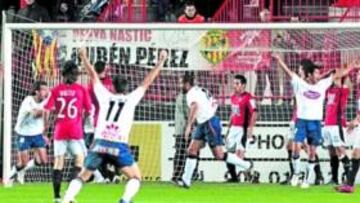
<point>57,176</point>
<point>39,159</point>
<point>133,185</point>
<point>79,163</point>
<point>16,171</point>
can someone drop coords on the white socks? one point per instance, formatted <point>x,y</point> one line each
<point>296,164</point>
<point>233,159</point>
<point>190,165</point>
<point>73,189</point>
<point>30,164</point>
<point>131,188</point>
<point>310,171</point>
<point>98,178</point>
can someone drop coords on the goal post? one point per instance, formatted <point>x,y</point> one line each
<point>213,52</point>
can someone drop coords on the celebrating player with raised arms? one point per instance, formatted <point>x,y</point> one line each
<point>115,120</point>
<point>69,100</point>
<point>310,96</point>
<point>242,121</point>
<point>29,128</point>
<point>203,108</point>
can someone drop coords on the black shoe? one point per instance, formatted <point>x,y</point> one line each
<point>319,181</point>
<point>285,182</point>
<point>174,179</point>
<point>255,179</point>
<point>232,180</point>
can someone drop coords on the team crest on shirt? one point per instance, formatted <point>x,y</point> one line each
<point>214,46</point>
<point>312,94</point>
<point>111,132</point>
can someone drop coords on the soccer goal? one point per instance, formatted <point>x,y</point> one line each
<point>214,53</point>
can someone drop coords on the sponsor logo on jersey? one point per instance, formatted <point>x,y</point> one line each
<point>312,94</point>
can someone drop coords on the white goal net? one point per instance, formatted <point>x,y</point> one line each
<point>213,53</point>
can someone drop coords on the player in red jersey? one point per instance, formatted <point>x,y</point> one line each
<point>242,122</point>
<point>335,120</point>
<point>353,128</point>
<point>68,101</point>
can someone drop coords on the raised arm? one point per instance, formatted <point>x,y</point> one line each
<point>89,68</point>
<point>282,65</point>
<point>344,72</point>
<point>149,79</point>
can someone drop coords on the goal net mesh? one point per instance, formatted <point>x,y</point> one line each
<point>213,56</point>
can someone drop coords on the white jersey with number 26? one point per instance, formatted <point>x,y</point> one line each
<point>116,113</point>
<point>207,105</point>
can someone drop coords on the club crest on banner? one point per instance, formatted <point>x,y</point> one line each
<point>214,46</point>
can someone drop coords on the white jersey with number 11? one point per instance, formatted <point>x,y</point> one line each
<point>116,113</point>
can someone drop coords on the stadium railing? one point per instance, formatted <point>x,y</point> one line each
<point>306,10</point>
<point>124,11</point>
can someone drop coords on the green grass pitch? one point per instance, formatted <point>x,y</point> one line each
<point>169,193</point>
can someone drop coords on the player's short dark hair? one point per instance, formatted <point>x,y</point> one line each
<point>99,66</point>
<point>188,78</point>
<point>120,84</point>
<point>189,3</point>
<point>308,67</point>
<point>70,72</point>
<point>36,86</point>
<point>241,78</point>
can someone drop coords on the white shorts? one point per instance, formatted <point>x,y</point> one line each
<point>355,138</point>
<point>75,147</point>
<point>233,140</point>
<point>332,137</point>
<point>292,130</point>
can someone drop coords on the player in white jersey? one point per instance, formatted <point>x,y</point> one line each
<point>203,108</point>
<point>115,120</point>
<point>29,129</point>
<point>310,96</point>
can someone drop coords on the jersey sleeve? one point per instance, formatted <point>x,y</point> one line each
<point>190,98</point>
<point>136,95</point>
<point>87,100</point>
<point>101,93</point>
<point>295,82</point>
<point>50,103</point>
<point>25,106</point>
<point>327,82</point>
<point>251,104</point>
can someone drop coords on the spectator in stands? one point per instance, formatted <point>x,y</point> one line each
<point>162,8</point>
<point>190,14</point>
<point>11,14</point>
<point>64,12</point>
<point>267,71</point>
<point>32,12</point>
